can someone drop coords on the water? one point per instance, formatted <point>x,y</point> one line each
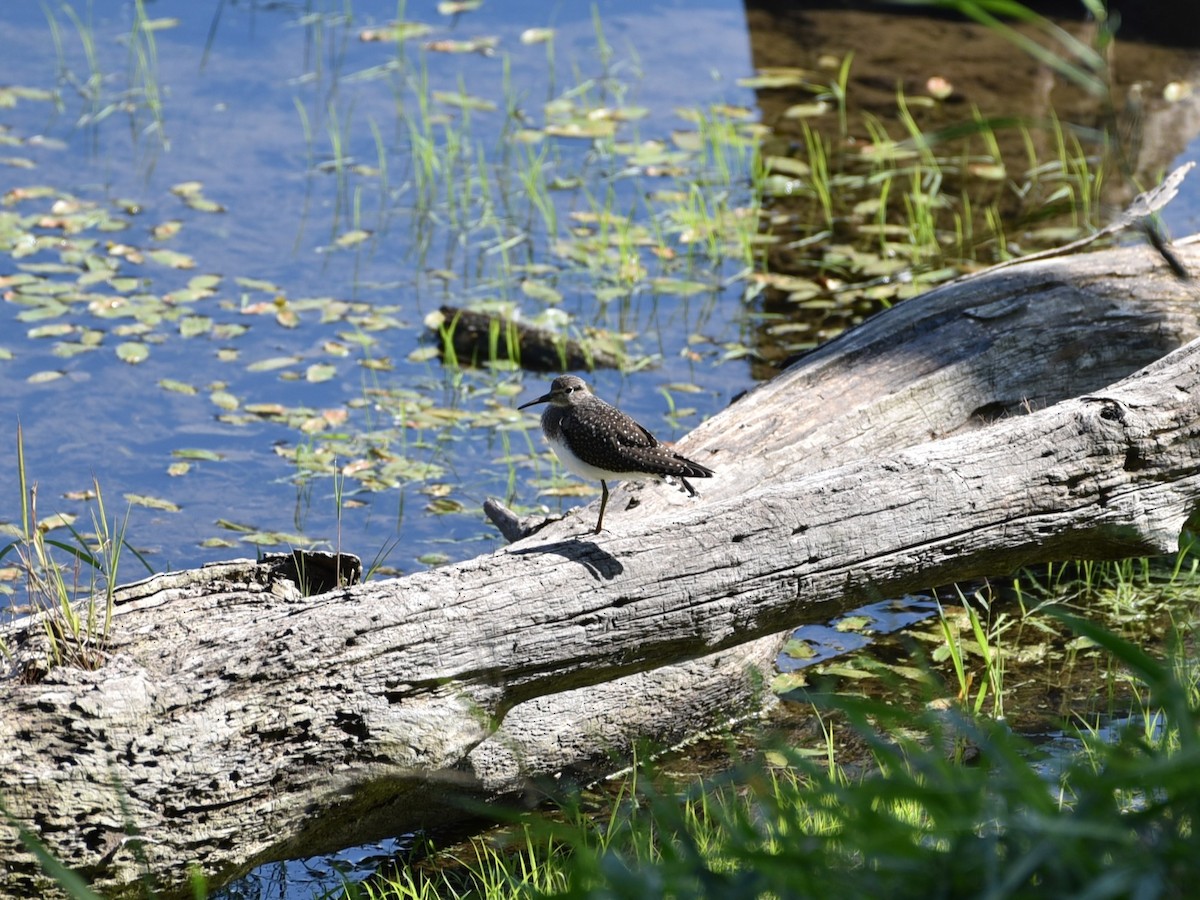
<point>300,131</point>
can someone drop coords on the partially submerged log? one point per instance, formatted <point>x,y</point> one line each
<point>481,337</point>
<point>238,720</point>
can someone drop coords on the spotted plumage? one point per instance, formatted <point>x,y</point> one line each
<point>598,442</point>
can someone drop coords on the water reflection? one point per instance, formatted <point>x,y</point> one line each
<point>316,877</point>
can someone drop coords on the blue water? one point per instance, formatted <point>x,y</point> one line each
<point>254,100</point>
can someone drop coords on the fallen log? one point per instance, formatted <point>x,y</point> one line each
<point>237,720</point>
<point>479,337</point>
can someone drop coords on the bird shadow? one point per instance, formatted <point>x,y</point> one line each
<point>600,564</point>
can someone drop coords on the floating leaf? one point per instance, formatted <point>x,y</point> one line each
<point>192,326</point>
<point>172,258</point>
<point>463,101</point>
<point>228,330</point>
<point>152,502</point>
<point>806,110</point>
<point>692,141</point>
<point>787,165</point>
<point>273,539</point>
<point>775,78</point>
<point>257,284</point>
<point>537,35</point>
<point>677,286</point>
<point>67,349</point>
<point>223,400</point>
<point>197,454</point>
<point>798,649</point>
<point>133,352</point>
<point>788,681</point>
<point>178,468</point>
<point>57,520</point>
<point>44,377</point>
<point>204,282</point>
<point>10,94</point>
<point>539,290</point>
<point>845,671</point>
<point>273,363</point>
<point>58,329</point>
<point>484,45</point>
<point>166,230</point>
<point>235,526</point>
<point>423,354</point>
<point>350,238</point>
<point>266,410</point>
<point>203,204</point>
<point>583,128</point>
<point>160,24</point>
<point>396,31</point>
<point>192,193</point>
<point>319,372</point>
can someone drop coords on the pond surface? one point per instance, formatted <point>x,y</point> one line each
<point>234,218</point>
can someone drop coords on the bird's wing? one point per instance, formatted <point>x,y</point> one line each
<point>608,427</point>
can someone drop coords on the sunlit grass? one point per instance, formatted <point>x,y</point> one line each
<point>69,585</point>
<point>915,822</point>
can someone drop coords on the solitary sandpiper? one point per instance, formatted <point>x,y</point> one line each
<point>599,442</point>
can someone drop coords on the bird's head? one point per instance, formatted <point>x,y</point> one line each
<point>564,391</point>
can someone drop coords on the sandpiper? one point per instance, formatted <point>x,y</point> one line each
<point>598,442</point>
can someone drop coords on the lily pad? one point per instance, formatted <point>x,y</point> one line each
<point>172,258</point>
<point>44,377</point>
<point>58,329</point>
<point>462,100</point>
<point>152,502</point>
<point>192,326</point>
<point>197,454</point>
<point>133,352</point>
<point>319,372</point>
<point>395,32</point>
<point>273,363</point>
<point>350,238</point>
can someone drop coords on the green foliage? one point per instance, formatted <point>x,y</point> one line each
<point>69,585</point>
<point>1116,821</point>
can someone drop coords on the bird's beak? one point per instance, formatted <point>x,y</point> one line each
<point>545,398</point>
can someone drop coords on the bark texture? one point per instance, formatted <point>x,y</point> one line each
<point>238,720</point>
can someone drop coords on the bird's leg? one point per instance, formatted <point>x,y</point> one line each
<point>603,503</point>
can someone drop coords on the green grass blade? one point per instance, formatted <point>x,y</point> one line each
<point>74,886</point>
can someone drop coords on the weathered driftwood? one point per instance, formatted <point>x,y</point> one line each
<point>238,721</point>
